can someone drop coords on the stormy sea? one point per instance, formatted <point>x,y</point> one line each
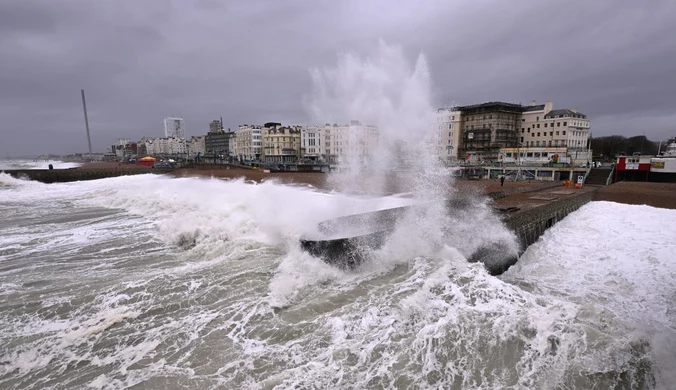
<point>155,282</point>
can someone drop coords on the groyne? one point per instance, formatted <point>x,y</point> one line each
<point>78,174</point>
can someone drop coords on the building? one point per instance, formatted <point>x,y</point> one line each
<point>280,144</point>
<point>174,128</point>
<point>542,126</point>
<point>232,144</point>
<point>218,142</point>
<point>249,140</point>
<point>449,126</point>
<point>169,146</point>
<point>481,131</point>
<point>125,148</point>
<point>313,143</point>
<point>351,143</point>
<point>216,126</point>
<point>196,145</point>
<point>488,127</point>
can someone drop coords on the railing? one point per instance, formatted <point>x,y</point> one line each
<point>609,180</point>
<point>586,174</point>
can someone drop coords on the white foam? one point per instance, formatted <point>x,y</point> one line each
<point>36,164</point>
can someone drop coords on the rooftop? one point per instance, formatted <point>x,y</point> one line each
<point>563,113</point>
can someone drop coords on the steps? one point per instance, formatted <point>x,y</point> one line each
<point>598,176</point>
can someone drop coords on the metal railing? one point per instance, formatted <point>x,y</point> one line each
<point>609,180</point>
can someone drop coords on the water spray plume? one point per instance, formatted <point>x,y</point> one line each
<point>385,91</point>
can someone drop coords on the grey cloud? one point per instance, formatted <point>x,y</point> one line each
<point>250,61</point>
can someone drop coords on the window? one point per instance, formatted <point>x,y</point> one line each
<point>564,132</point>
<point>538,134</point>
<point>528,130</point>
<point>450,126</point>
<point>557,133</point>
<point>551,133</point>
<point>545,125</point>
<point>537,119</point>
<point>523,130</point>
<point>538,125</point>
<point>558,124</point>
<point>523,120</point>
<point>564,123</point>
<point>521,139</point>
<point>533,125</point>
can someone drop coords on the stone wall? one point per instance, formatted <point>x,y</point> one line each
<point>530,224</point>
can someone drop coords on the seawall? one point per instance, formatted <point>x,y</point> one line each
<point>78,174</point>
<point>530,223</point>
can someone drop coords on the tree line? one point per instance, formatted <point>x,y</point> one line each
<point>614,145</point>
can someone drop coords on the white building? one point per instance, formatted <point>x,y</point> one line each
<point>248,142</point>
<point>313,142</point>
<point>174,128</point>
<point>232,145</point>
<point>448,125</point>
<point>542,126</point>
<point>164,146</point>
<point>350,143</point>
<point>197,145</point>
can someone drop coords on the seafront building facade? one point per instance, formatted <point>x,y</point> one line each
<point>489,131</point>
<point>492,132</point>
<point>313,143</point>
<point>249,142</point>
<point>280,144</point>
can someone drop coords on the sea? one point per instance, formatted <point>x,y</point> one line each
<point>153,282</point>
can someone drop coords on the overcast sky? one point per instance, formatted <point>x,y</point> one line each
<point>250,61</point>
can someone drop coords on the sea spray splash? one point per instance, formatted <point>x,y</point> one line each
<point>383,90</point>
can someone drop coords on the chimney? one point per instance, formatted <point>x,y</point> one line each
<point>548,106</point>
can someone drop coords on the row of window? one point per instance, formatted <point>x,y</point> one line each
<point>551,133</point>
<point>555,143</point>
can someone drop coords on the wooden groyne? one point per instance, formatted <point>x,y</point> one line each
<point>78,174</point>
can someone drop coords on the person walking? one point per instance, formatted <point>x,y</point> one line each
<point>502,181</point>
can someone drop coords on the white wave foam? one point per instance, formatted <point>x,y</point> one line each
<point>36,164</point>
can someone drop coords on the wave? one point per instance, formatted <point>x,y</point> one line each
<point>36,164</point>
<point>144,280</point>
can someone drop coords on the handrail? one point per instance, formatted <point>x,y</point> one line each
<point>609,180</point>
<point>587,174</point>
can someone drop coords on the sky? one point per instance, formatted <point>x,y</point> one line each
<point>251,61</point>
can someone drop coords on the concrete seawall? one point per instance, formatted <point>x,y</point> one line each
<point>529,223</point>
<point>77,174</point>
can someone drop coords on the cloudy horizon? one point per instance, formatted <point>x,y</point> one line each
<point>139,62</point>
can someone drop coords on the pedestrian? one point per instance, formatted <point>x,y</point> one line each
<point>502,180</point>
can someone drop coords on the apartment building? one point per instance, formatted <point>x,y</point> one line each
<point>280,144</point>
<point>542,126</point>
<point>164,146</point>
<point>174,127</point>
<point>249,142</point>
<point>351,142</point>
<point>449,126</point>
<point>313,142</point>
<point>197,145</point>
<point>488,127</point>
<point>483,130</point>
